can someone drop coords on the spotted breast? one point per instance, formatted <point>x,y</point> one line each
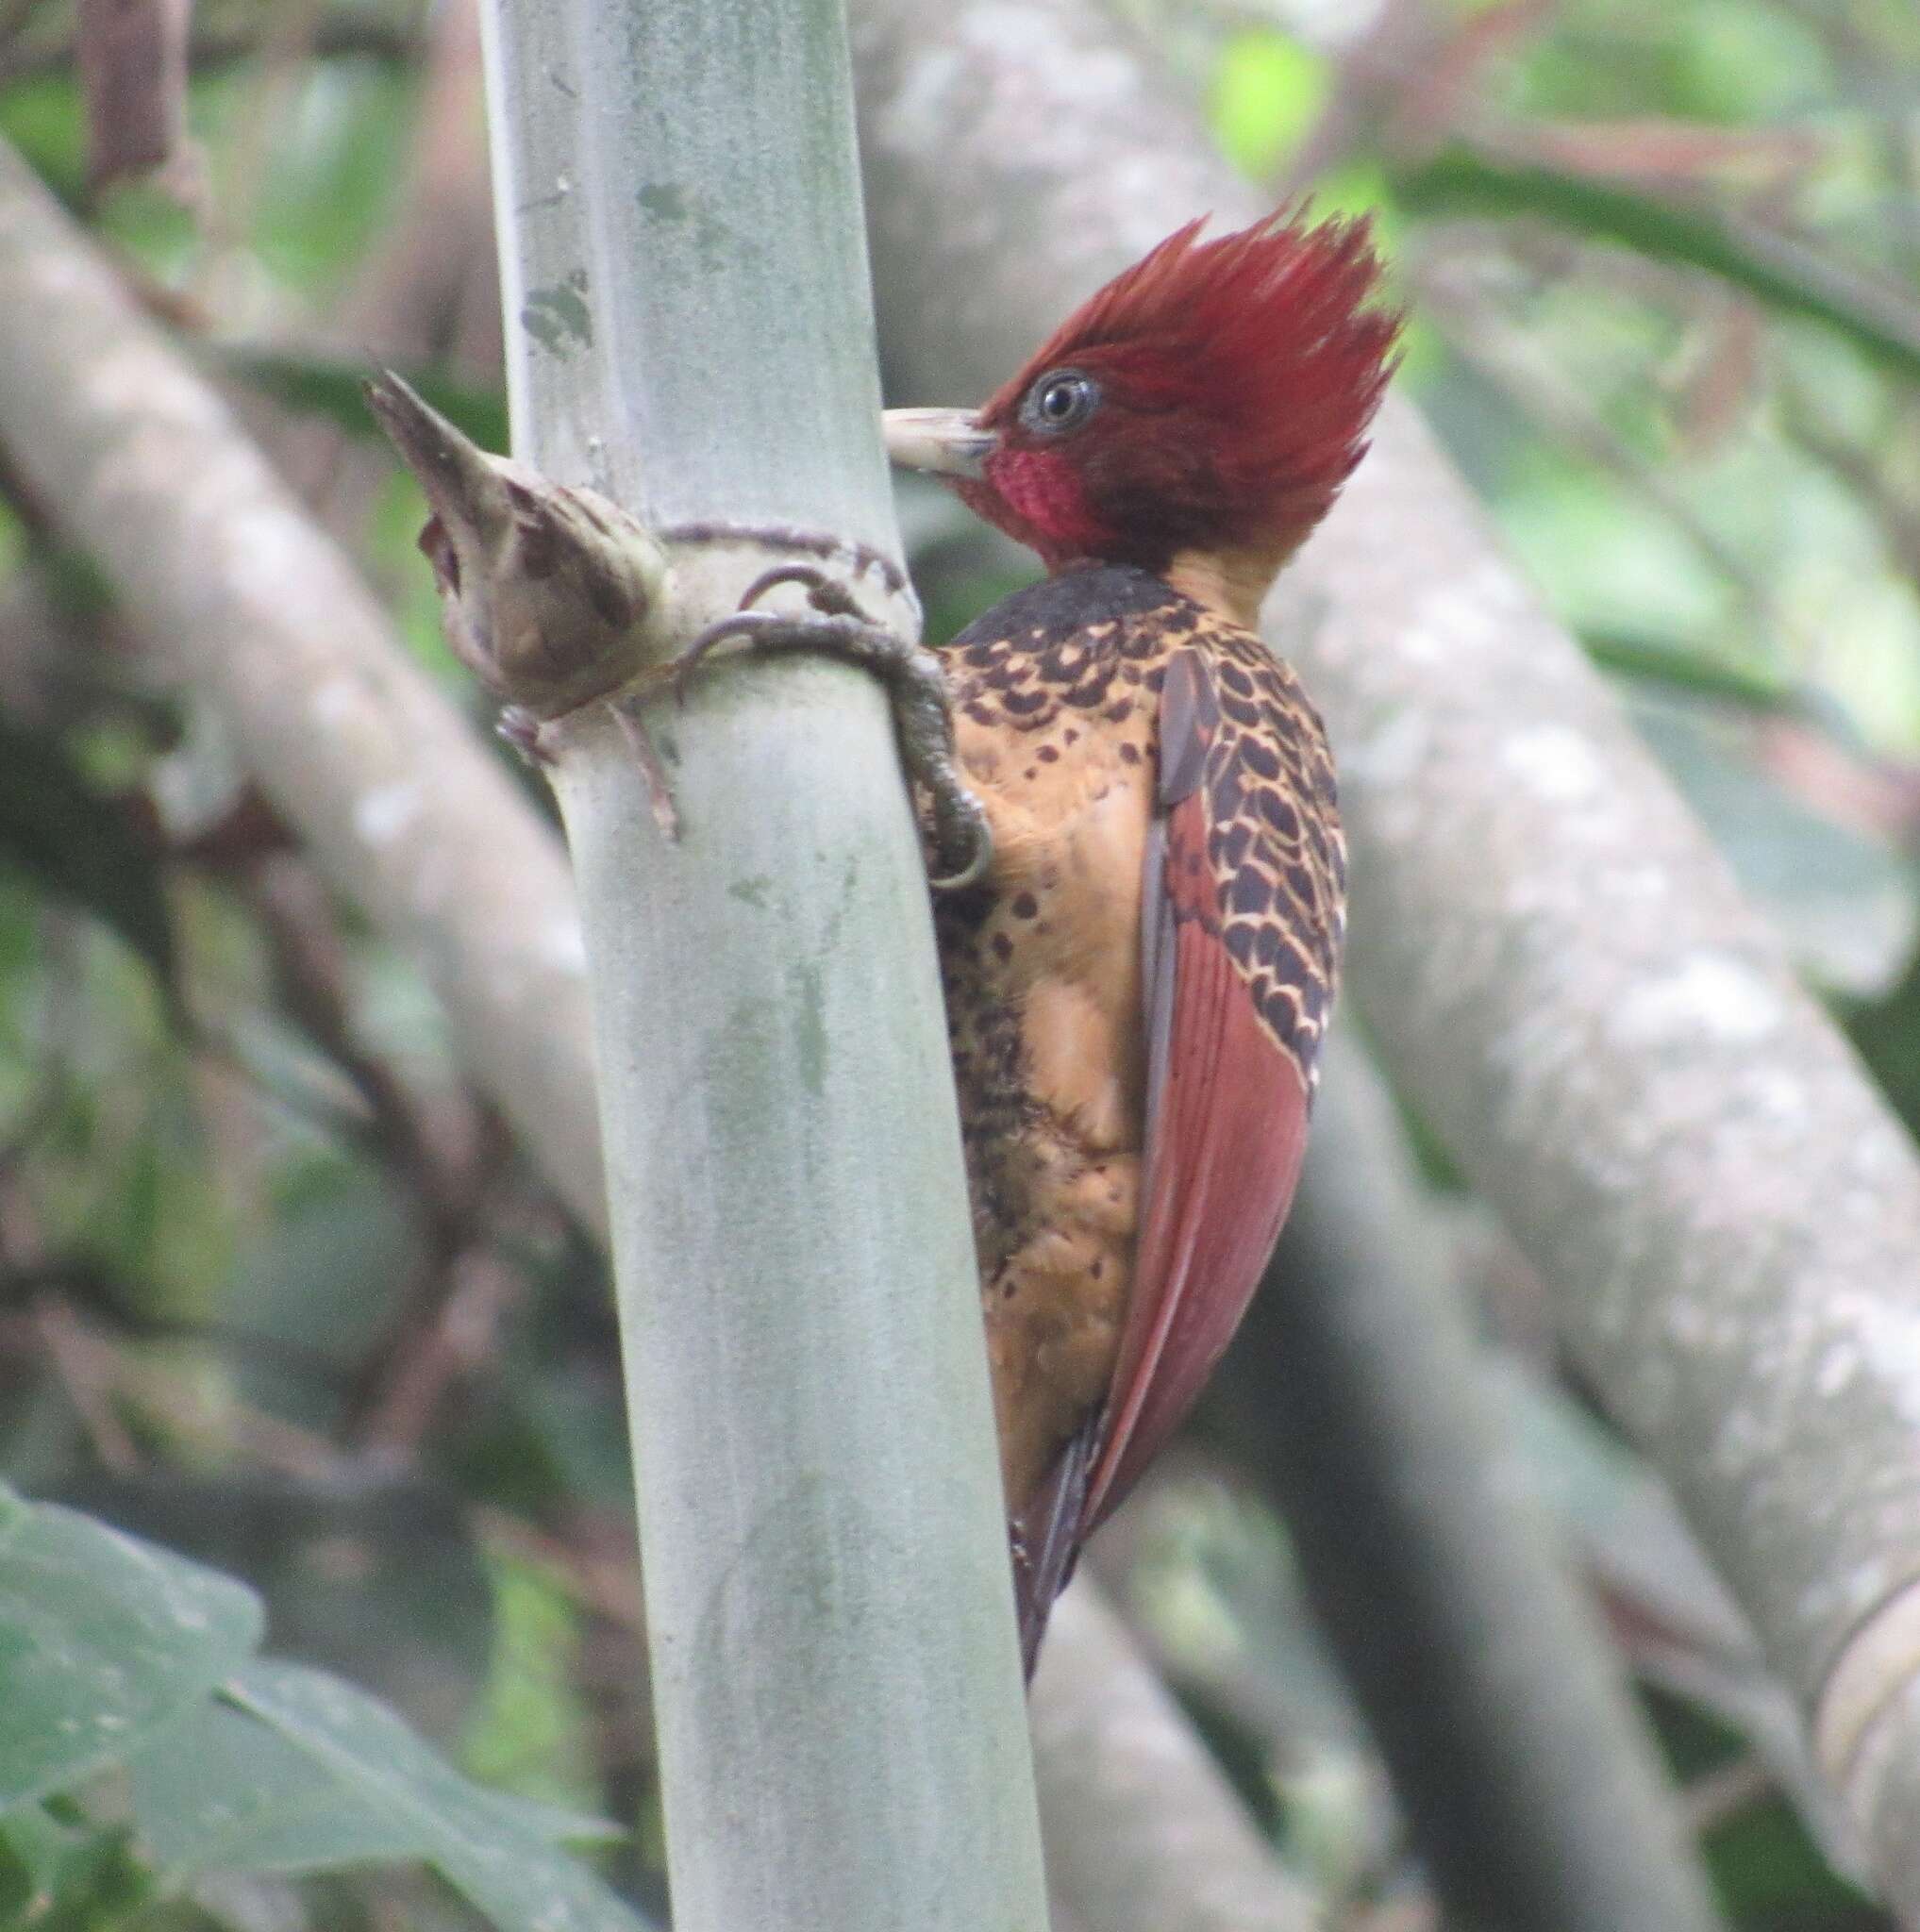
<point>1150,770</point>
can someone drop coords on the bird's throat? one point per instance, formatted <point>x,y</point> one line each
<point>1232,583</point>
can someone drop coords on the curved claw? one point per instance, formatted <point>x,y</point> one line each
<point>742,624</point>
<point>914,683</point>
<point>823,591</point>
<point>974,870</point>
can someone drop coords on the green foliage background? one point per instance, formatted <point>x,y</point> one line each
<point>1662,259</point>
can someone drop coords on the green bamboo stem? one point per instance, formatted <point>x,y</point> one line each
<point>843,1739</point>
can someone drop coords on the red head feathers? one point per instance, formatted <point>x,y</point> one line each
<point>1210,400</point>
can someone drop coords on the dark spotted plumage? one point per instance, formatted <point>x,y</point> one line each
<point>1138,989</point>
<point>1273,840</point>
<point>1092,641</point>
<point>1050,994</point>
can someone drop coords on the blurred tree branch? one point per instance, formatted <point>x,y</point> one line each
<point>1860,467</point>
<point>1558,968</point>
<point>133,74</point>
<point>345,30</point>
<point>1433,1572</point>
<point>248,607</point>
<point>1453,297</point>
<point>429,291</point>
<point>1143,1832</point>
<point>1496,173</point>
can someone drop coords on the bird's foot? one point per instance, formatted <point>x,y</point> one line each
<point>653,772</point>
<point>524,732</point>
<point>915,685</point>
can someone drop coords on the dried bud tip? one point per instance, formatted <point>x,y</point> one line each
<point>547,590</point>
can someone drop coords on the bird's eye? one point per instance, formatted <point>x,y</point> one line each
<point>1063,399</point>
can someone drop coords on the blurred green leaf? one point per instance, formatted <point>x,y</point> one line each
<point>110,1650</point>
<point>1886,1033</point>
<point>81,845</point>
<point>1673,666</point>
<point>1768,1871</point>
<point>1702,59</point>
<point>103,1641</point>
<point>372,1573</point>
<point>320,1277</point>
<point>1268,90</point>
<point>62,1877</point>
<point>1735,61</point>
<point>1881,321</point>
<point>41,116</point>
<point>500,1852</point>
<point>531,1732</point>
<point>334,388</point>
<point>221,1790</point>
<point>337,160</point>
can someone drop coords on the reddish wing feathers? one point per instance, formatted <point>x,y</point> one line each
<point>1227,1128</point>
<point>1226,1124</point>
<point>1222,1165</point>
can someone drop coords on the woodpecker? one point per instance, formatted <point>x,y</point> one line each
<point>1139,982</point>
